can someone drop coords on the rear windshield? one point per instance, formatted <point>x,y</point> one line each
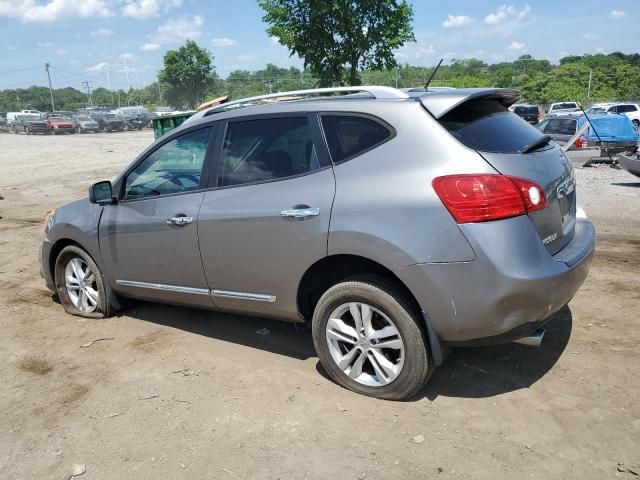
<point>487,126</point>
<point>526,110</point>
<point>558,126</point>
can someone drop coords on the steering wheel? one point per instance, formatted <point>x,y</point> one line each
<point>175,179</point>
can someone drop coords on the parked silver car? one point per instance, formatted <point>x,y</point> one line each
<point>397,225</point>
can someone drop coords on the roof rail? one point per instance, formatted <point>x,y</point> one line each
<point>378,92</point>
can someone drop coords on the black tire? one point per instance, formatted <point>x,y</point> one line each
<point>636,124</point>
<point>104,309</point>
<point>384,296</point>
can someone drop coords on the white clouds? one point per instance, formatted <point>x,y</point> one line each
<point>49,11</point>
<point>590,36</point>
<point>507,12</point>
<point>30,11</point>
<point>246,58</point>
<point>179,30</point>
<point>415,52</point>
<point>102,32</point>
<point>150,47</point>
<point>516,46</point>
<point>617,14</point>
<point>454,21</point>
<point>600,50</point>
<point>99,67</point>
<point>127,57</point>
<point>62,51</point>
<point>143,9</point>
<point>44,44</point>
<point>223,42</point>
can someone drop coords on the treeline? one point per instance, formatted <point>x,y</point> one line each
<point>587,78</point>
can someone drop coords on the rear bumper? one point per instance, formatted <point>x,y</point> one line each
<point>512,288</point>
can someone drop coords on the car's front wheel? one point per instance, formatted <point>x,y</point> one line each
<point>368,339</point>
<point>80,284</point>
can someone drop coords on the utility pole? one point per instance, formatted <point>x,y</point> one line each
<point>87,85</point>
<point>106,70</point>
<point>397,68</point>
<point>53,106</point>
<point>159,94</point>
<point>589,89</point>
<point>125,67</point>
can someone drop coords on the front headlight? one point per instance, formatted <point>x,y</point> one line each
<point>49,221</point>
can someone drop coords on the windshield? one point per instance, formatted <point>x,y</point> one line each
<point>596,110</point>
<point>487,126</point>
<point>564,106</point>
<point>85,119</point>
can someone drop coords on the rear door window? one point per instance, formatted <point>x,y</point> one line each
<point>351,135</point>
<point>626,108</point>
<point>265,150</point>
<point>488,126</point>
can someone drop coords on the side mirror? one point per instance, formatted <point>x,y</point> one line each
<point>101,193</point>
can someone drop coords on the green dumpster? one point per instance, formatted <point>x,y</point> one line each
<point>162,125</point>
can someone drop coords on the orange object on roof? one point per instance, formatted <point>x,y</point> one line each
<point>213,103</point>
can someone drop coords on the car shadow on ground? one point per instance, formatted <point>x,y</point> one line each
<point>487,371</point>
<point>627,184</point>
<point>275,336</point>
<point>467,372</point>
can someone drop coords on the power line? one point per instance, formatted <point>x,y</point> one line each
<point>19,70</point>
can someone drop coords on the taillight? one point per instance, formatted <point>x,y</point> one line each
<point>485,197</point>
<point>578,143</point>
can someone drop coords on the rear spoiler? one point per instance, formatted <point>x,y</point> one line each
<point>441,102</point>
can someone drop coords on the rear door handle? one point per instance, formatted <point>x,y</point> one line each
<point>179,220</point>
<point>300,213</point>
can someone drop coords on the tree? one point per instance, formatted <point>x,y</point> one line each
<point>188,75</point>
<point>330,35</point>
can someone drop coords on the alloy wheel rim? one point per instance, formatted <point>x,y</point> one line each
<point>365,344</point>
<point>80,282</point>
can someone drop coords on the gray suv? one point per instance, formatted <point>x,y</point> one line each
<point>396,224</point>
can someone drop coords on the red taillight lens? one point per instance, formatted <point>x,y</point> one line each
<point>578,143</point>
<point>484,197</point>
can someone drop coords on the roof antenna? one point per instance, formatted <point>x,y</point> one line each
<point>433,74</point>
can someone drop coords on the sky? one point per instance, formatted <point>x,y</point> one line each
<point>104,41</point>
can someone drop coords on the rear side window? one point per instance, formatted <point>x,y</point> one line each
<point>269,149</point>
<point>487,126</point>
<point>351,135</point>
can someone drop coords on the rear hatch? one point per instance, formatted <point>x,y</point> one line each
<point>482,121</point>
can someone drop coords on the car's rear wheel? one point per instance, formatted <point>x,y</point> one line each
<point>636,124</point>
<point>368,339</point>
<point>80,284</point>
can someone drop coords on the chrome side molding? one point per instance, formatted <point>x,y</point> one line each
<point>163,287</point>
<point>258,297</point>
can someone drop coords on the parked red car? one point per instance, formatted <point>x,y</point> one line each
<point>57,125</point>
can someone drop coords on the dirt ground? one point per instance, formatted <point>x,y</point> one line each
<point>172,392</point>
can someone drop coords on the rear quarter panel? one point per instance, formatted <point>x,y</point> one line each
<point>385,208</point>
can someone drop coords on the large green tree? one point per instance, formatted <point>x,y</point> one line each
<point>188,75</point>
<point>332,35</point>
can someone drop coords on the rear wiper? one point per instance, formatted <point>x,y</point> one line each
<point>537,144</point>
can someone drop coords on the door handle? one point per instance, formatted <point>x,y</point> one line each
<point>300,213</point>
<point>179,220</point>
